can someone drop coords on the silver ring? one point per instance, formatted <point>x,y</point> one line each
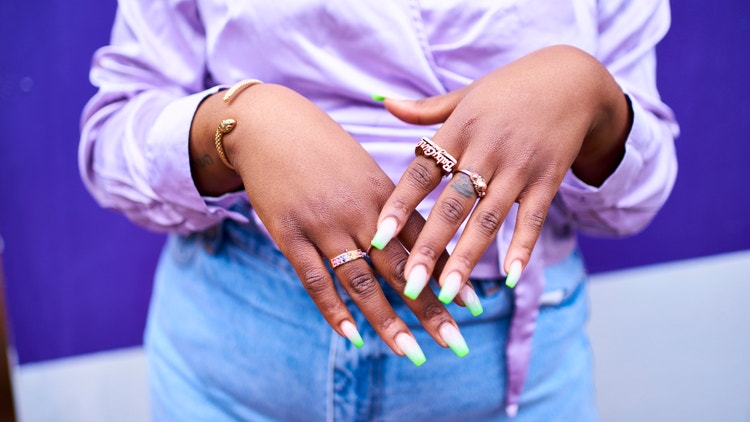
<point>480,185</point>
<point>347,256</point>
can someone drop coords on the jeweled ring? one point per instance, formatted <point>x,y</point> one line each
<point>426,147</point>
<point>480,185</point>
<point>347,257</point>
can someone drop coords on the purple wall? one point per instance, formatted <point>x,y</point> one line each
<point>79,277</point>
<point>704,63</point>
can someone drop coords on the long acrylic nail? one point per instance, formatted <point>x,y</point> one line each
<point>450,288</point>
<point>415,283</point>
<point>411,349</point>
<point>386,231</point>
<point>378,98</point>
<point>350,331</point>
<point>455,340</point>
<point>514,274</point>
<point>471,300</point>
<point>511,410</point>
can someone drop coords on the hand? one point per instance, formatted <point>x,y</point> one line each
<point>521,128</point>
<point>317,191</point>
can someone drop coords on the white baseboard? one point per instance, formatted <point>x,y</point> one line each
<point>672,341</point>
<point>108,386</point>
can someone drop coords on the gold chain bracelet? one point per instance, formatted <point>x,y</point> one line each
<point>227,125</point>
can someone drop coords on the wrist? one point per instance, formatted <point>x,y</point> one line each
<point>603,147</point>
<point>210,175</point>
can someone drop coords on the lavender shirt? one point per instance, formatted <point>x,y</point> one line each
<point>166,56</point>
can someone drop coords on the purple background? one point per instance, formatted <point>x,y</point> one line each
<point>79,277</point>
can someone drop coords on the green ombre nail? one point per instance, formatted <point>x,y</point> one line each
<point>471,300</point>
<point>454,339</point>
<point>450,288</point>
<point>411,349</point>
<point>514,274</point>
<point>418,278</point>
<point>378,98</point>
<point>386,231</point>
<point>350,331</point>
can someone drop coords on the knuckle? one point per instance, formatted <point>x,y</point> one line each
<point>465,260</point>
<point>400,205</point>
<point>469,126</point>
<point>289,228</point>
<point>315,280</point>
<point>433,311</point>
<point>397,270</point>
<point>534,220</point>
<point>429,252</point>
<point>388,321</point>
<point>420,175</point>
<point>363,284</point>
<point>451,210</point>
<point>381,186</point>
<point>488,222</point>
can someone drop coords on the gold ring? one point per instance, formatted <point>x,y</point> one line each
<point>480,185</point>
<point>426,147</point>
<point>347,256</point>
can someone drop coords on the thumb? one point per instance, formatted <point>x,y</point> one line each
<point>425,111</point>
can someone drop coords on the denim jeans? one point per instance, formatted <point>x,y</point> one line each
<point>233,336</point>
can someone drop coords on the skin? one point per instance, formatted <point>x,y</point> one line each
<point>521,127</point>
<point>319,193</point>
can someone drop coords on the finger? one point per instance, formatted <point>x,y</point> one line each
<point>480,231</point>
<point>445,219</point>
<point>433,316</point>
<point>317,280</point>
<point>532,211</point>
<point>426,111</point>
<point>409,235</point>
<point>359,281</point>
<point>419,179</point>
<point>467,295</point>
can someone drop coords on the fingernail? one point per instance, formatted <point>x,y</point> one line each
<point>411,349</point>
<point>350,331</point>
<point>471,300</point>
<point>450,288</point>
<point>513,274</point>
<point>386,231</point>
<point>378,98</point>
<point>455,340</point>
<point>415,283</point>
<point>511,410</point>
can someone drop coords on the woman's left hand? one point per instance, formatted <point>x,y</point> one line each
<point>520,127</point>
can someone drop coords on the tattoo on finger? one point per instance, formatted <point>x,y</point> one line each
<point>462,184</point>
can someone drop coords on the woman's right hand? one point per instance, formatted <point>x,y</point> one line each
<point>319,192</point>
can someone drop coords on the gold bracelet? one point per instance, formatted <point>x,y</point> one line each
<point>239,86</point>
<point>227,125</point>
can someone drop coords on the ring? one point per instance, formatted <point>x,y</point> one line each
<point>426,147</point>
<point>347,257</point>
<point>480,185</point>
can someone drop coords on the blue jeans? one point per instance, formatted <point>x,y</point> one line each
<point>233,336</point>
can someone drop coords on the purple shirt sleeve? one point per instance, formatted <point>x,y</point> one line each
<point>133,154</point>
<point>627,201</point>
